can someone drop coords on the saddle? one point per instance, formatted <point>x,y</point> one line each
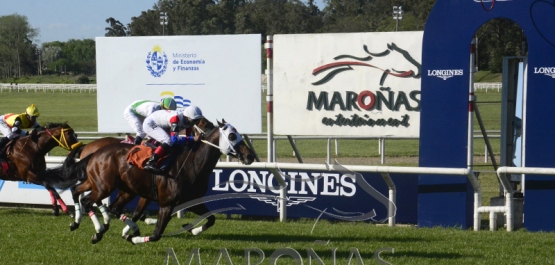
<point>139,154</point>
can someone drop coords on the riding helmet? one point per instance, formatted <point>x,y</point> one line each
<point>168,104</point>
<point>32,111</point>
<point>193,112</point>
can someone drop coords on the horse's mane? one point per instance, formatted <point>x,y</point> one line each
<point>52,125</point>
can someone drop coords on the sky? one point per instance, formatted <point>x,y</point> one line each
<point>62,20</point>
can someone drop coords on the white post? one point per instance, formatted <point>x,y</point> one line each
<point>471,100</point>
<point>269,97</point>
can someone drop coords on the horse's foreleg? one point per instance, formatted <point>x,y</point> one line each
<point>52,192</point>
<point>164,216</point>
<point>57,199</point>
<point>138,214</point>
<point>201,210</point>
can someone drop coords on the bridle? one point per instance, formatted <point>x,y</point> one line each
<point>62,142</point>
<point>232,151</point>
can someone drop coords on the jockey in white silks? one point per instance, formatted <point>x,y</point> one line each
<point>164,127</point>
<point>135,114</point>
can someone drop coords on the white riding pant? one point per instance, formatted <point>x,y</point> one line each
<point>135,121</point>
<point>158,133</point>
<point>5,129</point>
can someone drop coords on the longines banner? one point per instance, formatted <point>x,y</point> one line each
<point>218,73</point>
<point>353,84</point>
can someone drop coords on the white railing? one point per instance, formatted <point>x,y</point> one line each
<point>488,86</point>
<point>502,172</point>
<point>92,87</point>
<point>47,87</point>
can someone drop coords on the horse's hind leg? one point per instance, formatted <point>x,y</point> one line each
<point>164,216</point>
<point>88,201</point>
<point>200,210</point>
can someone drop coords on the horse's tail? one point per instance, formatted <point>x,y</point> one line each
<point>69,173</point>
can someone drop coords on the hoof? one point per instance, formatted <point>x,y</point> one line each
<point>96,238</point>
<point>73,226</point>
<point>129,238</point>
<point>55,211</point>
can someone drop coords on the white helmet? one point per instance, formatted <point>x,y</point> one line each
<point>193,112</point>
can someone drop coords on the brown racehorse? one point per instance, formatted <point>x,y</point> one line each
<point>25,157</point>
<point>107,170</point>
<point>85,150</point>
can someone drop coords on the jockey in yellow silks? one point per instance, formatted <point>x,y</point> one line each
<point>11,124</point>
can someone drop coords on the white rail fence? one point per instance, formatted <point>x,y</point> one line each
<point>5,87</point>
<point>507,209</point>
<point>496,87</point>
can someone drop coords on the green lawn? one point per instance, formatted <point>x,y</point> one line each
<point>37,237</point>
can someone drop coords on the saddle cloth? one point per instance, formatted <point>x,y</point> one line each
<point>138,155</point>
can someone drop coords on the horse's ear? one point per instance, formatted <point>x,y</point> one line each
<point>220,124</point>
<point>223,120</point>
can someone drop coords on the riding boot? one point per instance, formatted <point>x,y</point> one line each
<point>138,140</point>
<point>3,143</point>
<point>151,163</point>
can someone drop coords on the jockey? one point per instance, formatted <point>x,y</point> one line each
<point>164,127</point>
<point>140,109</point>
<point>11,124</point>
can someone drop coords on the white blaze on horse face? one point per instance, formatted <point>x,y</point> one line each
<point>226,145</point>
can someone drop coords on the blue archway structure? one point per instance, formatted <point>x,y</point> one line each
<point>451,25</point>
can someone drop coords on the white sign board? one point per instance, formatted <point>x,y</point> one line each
<point>220,74</point>
<point>348,84</point>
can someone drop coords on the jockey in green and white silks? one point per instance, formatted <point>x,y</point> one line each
<point>11,124</point>
<point>164,127</point>
<point>135,114</point>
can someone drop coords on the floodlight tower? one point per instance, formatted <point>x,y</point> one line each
<point>164,19</point>
<point>397,15</point>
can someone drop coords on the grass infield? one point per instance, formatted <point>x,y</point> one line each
<point>36,237</point>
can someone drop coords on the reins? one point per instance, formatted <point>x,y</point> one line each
<point>63,145</point>
<point>190,150</point>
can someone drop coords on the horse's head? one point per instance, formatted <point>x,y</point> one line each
<point>61,133</point>
<point>231,143</point>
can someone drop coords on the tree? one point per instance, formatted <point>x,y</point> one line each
<point>116,28</point>
<point>17,51</point>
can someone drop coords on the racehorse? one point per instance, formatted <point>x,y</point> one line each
<point>85,150</point>
<point>107,170</point>
<point>25,158</point>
